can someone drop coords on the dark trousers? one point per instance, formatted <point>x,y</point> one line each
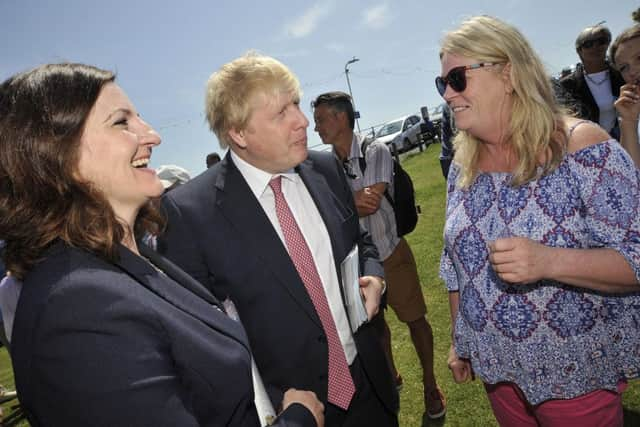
<point>366,409</point>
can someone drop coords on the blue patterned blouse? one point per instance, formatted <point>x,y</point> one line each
<point>553,340</point>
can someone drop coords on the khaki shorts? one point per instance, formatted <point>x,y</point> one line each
<point>404,293</point>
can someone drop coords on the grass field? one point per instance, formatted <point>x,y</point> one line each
<point>467,404</point>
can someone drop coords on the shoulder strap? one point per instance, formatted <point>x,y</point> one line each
<point>575,125</point>
<point>363,148</point>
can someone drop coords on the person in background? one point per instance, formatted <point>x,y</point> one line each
<point>541,240</point>
<point>428,130</point>
<point>625,57</point>
<point>447,132</point>
<point>172,176</point>
<point>212,159</point>
<point>106,331</point>
<point>334,119</point>
<point>595,84</point>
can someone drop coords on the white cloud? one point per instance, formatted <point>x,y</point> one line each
<point>377,17</point>
<point>306,23</point>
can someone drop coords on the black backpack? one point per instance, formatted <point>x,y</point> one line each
<point>404,206</point>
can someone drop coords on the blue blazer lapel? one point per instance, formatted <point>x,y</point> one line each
<point>202,305</point>
<point>237,203</point>
<point>178,275</point>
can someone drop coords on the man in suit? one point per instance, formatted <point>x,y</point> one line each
<point>595,84</point>
<point>269,227</point>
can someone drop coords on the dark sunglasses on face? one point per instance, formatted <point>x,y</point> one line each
<point>457,77</point>
<point>600,41</point>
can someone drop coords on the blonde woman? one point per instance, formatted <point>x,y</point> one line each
<point>542,239</point>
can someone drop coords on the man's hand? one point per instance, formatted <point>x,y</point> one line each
<point>371,288</point>
<point>367,200</point>
<point>308,399</point>
<point>460,368</point>
<point>520,260</point>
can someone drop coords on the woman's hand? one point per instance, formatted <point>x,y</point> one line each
<point>460,368</point>
<point>306,398</point>
<point>628,103</point>
<point>520,260</point>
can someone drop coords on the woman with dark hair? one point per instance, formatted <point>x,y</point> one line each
<point>625,55</point>
<point>106,331</point>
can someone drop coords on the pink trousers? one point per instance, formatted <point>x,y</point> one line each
<point>598,408</point>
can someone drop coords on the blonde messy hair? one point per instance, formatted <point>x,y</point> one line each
<point>232,91</point>
<point>535,126</point>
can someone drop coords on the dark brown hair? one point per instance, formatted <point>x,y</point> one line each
<point>628,34</point>
<point>337,101</point>
<point>42,198</point>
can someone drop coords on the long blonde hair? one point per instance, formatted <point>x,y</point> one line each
<point>535,126</point>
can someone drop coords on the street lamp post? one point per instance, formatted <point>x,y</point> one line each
<point>346,73</point>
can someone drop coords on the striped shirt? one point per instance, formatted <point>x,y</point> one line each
<point>381,224</point>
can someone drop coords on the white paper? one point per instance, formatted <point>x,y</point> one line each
<point>266,413</point>
<point>350,272</point>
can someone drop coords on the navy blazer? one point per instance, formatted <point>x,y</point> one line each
<point>123,344</point>
<point>577,87</point>
<point>218,232</point>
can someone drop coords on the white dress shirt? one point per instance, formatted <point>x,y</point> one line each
<point>10,290</point>
<point>313,229</point>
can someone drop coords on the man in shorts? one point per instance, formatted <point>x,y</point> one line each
<point>334,119</point>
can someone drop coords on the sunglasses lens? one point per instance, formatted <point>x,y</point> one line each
<point>601,41</point>
<point>458,79</point>
<point>441,85</point>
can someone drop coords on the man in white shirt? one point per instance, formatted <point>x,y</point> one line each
<point>334,118</point>
<point>269,226</point>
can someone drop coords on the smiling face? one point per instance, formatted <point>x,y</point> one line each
<point>628,60</point>
<point>275,138</point>
<point>115,148</point>
<point>483,107</point>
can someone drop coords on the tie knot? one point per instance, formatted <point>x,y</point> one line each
<point>276,184</point>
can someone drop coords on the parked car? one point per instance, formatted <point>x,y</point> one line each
<point>401,134</point>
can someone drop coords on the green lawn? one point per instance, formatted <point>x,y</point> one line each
<point>467,404</point>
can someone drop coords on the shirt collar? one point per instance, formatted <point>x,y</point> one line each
<point>257,179</point>
<point>355,151</point>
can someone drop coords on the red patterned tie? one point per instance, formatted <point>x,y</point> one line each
<point>341,387</point>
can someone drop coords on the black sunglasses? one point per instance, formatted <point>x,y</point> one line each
<point>601,41</point>
<point>348,169</point>
<point>457,77</point>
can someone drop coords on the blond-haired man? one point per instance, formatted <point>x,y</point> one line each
<point>269,226</point>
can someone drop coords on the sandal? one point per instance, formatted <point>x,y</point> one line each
<point>436,404</point>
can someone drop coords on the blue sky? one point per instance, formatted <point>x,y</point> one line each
<point>164,54</point>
